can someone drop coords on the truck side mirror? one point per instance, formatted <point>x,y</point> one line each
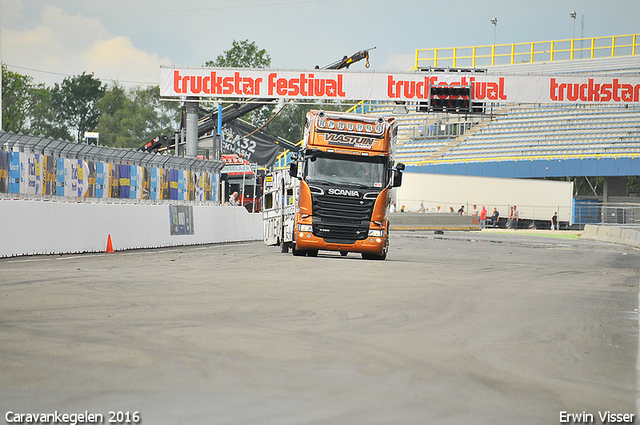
<point>293,169</point>
<point>397,175</point>
<point>397,178</point>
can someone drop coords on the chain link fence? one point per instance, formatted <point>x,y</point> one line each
<point>611,213</point>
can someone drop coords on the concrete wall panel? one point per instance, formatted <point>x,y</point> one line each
<point>39,227</point>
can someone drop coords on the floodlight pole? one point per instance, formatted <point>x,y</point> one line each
<point>494,21</point>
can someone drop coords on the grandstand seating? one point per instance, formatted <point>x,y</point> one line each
<point>515,131</point>
<point>527,131</point>
<point>522,131</point>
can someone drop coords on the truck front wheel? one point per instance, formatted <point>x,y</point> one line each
<point>381,256</point>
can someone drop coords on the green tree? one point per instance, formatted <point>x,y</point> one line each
<point>586,185</point>
<point>160,117</point>
<point>129,119</point>
<point>16,92</point>
<point>633,185</point>
<point>27,107</point>
<point>289,123</point>
<point>245,54</point>
<point>114,124</point>
<point>583,186</point>
<point>42,117</point>
<point>76,102</point>
<point>242,55</point>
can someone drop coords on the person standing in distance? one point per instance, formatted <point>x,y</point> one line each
<point>233,199</point>
<point>495,217</point>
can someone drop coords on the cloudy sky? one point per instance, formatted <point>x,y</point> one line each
<point>128,40</point>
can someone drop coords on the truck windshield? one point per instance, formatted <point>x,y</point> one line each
<point>347,170</point>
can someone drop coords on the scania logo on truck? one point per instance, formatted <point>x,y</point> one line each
<point>343,192</point>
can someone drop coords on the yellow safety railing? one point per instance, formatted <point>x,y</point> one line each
<point>539,51</point>
<point>523,158</point>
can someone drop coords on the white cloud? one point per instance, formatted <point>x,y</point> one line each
<point>71,45</point>
<point>118,59</point>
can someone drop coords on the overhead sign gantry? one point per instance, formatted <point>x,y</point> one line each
<point>252,84</point>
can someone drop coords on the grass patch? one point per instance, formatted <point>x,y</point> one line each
<point>559,235</point>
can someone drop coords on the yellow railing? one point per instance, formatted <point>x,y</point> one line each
<point>523,158</point>
<point>539,51</point>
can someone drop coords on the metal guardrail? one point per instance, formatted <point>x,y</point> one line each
<point>33,167</point>
<point>539,51</point>
<point>60,149</point>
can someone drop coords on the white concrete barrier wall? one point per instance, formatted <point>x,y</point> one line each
<point>613,234</point>
<point>40,227</point>
<point>536,199</point>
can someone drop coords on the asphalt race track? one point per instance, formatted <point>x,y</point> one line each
<point>460,328</point>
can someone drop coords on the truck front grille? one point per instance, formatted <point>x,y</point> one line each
<point>341,218</point>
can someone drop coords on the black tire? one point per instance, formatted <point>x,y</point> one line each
<point>284,247</point>
<point>312,253</point>
<point>343,253</point>
<point>381,256</point>
<point>297,252</point>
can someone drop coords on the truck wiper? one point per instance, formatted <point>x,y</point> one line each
<point>347,184</point>
<point>358,185</point>
<point>320,181</point>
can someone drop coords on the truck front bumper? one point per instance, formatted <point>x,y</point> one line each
<point>371,245</point>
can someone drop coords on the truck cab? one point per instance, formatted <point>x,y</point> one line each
<point>345,172</point>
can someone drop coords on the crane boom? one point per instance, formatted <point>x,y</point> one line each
<point>346,62</point>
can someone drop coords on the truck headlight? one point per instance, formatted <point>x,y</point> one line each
<point>305,228</point>
<point>375,233</point>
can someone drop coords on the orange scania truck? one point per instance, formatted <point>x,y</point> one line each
<point>337,192</point>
